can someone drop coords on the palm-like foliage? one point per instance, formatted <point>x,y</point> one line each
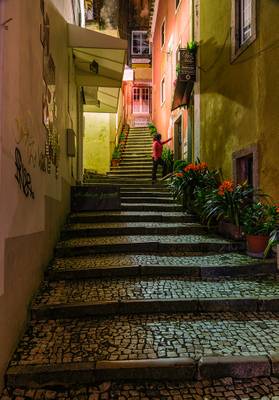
<point>228,204</point>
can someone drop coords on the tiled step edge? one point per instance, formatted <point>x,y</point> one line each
<point>121,307</point>
<point>175,369</point>
<point>265,268</point>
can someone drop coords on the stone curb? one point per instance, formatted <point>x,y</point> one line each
<point>209,305</point>
<point>155,247</point>
<point>173,369</point>
<point>159,270</point>
<point>238,367</point>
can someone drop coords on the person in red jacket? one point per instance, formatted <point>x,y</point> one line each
<point>157,149</point>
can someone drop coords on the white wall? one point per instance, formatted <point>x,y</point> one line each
<point>29,227</point>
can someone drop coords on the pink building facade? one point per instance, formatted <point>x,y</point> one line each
<point>171,29</point>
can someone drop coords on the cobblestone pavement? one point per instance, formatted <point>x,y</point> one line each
<point>221,389</point>
<point>132,225</point>
<point>110,240</point>
<point>89,290</point>
<point>175,259</point>
<point>148,337</point>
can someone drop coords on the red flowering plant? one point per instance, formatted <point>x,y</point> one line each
<point>190,183</point>
<point>228,202</point>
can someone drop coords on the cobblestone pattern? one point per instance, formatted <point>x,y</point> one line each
<point>221,389</point>
<point>169,259</point>
<point>109,225</point>
<point>168,239</point>
<point>88,291</point>
<point>148,337</point>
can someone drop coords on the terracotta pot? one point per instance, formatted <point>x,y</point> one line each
<point>115,162</point>
<point>256,244</point>
<point>229,230</point>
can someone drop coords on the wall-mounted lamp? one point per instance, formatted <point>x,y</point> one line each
<point>94,67</point>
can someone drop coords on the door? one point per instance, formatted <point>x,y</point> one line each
<point>178,155</point>
<point>141,100</point>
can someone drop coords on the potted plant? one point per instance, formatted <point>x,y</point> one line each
<point>188,178</point>
<point>259,221</point>
<point>152,129</point>
<point>122,138</point>
<point>167,157</point>
<point>116,156</point>
<point>225,205</point>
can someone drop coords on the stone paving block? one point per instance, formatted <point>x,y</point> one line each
<point>239,367</point>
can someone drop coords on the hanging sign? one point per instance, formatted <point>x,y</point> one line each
<point>187,70</point>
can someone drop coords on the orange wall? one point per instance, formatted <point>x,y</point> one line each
<point>178,25</point>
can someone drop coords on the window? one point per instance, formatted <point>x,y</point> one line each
<point>140,43</point>
<point>243,25</point>
<point>246,166</point>
<point>163,33</point>
<point>163,91</point>
<point>141,100</point>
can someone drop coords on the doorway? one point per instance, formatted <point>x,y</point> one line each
<point>178,150</point>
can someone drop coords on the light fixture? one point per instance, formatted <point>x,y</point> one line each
<point>94,67</point>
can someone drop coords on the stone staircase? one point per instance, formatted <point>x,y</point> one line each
<point>148,301</point>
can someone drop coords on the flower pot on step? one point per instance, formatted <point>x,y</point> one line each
<point>230,230</point>
<point>115,162</point>
<point>256,245</point>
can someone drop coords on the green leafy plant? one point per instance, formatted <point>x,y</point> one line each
<point>273,240</point>
<point>116,153</point>
<point>177,69</point>
<point>191,178</point>
<point>152,129</point>
<point>122,137</point>
<point>179,165</point>
<point>227,202</point>
<point>192,47</point>
<point>167,156</point>
<point>260,219</point>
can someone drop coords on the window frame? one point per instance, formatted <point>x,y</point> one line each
<point>177,5</point>
<point>237,47</point>
<point>163,33</point>
<point>141,54</point>
<point>163,90</point>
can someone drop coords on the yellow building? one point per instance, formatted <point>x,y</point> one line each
<point>236,96</point>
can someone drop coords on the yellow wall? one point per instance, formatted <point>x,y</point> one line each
<point>239,100</point>
<point>99,132</point>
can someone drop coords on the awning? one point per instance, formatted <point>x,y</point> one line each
<point>182,93</point>
<point>99,61</point>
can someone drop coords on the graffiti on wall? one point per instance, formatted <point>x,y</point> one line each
<point>22,176</point>
<point>49,105</point>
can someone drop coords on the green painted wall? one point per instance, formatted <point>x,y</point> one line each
<point>240,99</point>
<point>99,131</point>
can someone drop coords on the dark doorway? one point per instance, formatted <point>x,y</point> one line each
<point>178,154</point>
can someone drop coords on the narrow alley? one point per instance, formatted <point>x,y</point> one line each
<point>115,285</point>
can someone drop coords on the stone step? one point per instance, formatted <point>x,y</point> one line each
<point>130,228</point>
<point>130,216</point>
<point>178,264</point>
<point>139,295</point>
<point>133,168</point>
<point>115,180</point>
<point>150,207</point>
<point>145,243</point>
<point>181,347</point>
<point>128,164</point>
<point>145,199</point>
<point>130,193</point>
<point>135,175</point>
<point>140,173</point>
<point>223,388</point>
